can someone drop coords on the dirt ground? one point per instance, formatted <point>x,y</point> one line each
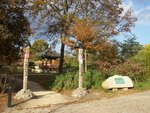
<point>134,103</point>
<point>49,102</point>
<point>92,96</point>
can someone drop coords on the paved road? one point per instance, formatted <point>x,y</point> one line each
<point>135,103</point>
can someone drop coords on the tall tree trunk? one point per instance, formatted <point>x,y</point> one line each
<point>85,60</point>
<point>61,58</point>
<point>81,67</point>
<point>61,35</point>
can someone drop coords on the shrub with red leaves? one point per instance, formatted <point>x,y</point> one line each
<point>106,68</point>
<point>128,68</point>
<point>132,69</point>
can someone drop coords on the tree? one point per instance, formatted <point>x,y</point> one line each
<point>143,57</point>
<point>130,47</point>
<point>14,29</point>
<point>4,35</point>
<point>37,47</point>
<point>82,35</point>
<point>108,13</point>
<point>109,53</point>
<point>59,14</point>
<point>82,32</point>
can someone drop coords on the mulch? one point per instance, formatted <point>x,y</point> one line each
<point>4,101</point>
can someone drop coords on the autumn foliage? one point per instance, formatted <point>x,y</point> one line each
<point>82,31</point>
<point>134,70</point>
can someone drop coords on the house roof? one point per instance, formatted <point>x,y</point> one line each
<point>49,54</point>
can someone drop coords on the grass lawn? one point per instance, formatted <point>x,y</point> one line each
<point>142,85</point>
<point>45,80</point>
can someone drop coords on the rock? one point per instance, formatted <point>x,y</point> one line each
<point>22,94</point>
<point>114,89</point>
<point>125,89</point>
<point>118,81</point>
<point>79,92</point>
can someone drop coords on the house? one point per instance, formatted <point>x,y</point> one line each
<point>50,60</point>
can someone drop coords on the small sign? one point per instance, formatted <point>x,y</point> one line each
<point>119,81</point>
<point>27,54</point>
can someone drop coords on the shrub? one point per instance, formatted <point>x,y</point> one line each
<point>132,69</point>
<point>106,69</point>
<point>66,81</point>
<point>6,73</point>
<point>3,83</point>
<point>92,79</point>
<point>69,80</point>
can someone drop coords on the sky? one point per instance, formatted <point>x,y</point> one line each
<point>141,10</point>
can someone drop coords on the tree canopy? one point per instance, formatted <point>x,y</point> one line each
<point>130,47</point>
<point>82,32</point>
<point>144,56</point>
<point>110,17</point>
<point>37,47</point>
<point>14,29</point>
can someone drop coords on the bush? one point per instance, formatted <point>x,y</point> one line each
<point>6,73</point>
<point>66,81</point>
<point>92,79</point>
<point>106,69</point>
<point>132,69</point>
<point>3,83</point>
<point>69,80</point>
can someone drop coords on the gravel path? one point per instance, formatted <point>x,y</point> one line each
<point>135,103</point>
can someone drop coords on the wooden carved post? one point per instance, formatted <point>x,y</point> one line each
<point>81,67</point>
<point>26,63</point>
